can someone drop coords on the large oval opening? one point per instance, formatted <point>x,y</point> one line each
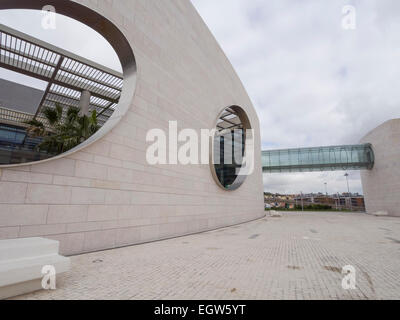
<point>232,133</point>
<point>67,75</point>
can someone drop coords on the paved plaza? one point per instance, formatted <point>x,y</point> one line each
<point>297,256</point>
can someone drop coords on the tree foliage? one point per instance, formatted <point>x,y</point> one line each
<point>66,130</point>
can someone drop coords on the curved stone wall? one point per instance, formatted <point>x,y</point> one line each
<point>381,185</point>
<point>106,195</point>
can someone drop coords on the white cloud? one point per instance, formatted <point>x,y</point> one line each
<point>312,82</point>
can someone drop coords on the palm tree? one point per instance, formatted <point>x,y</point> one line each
<point>53,116</point>
<point>36,128</point>
<point>69,131</point>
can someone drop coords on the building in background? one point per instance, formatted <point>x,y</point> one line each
<point>344,201</point>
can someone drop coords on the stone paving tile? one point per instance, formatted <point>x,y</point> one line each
<point>298,256</point>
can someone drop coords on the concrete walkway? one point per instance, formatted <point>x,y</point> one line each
<point>298,256</point>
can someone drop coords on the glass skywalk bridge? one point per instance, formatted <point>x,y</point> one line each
<point>346,157</point>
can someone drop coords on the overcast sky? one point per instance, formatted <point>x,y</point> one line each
<point>312,82</point>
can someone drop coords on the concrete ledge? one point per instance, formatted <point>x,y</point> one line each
<point>21,263</point>
<point>380,213</point>
<point>275,214</point>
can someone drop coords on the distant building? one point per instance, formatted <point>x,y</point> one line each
<point>346,201</point>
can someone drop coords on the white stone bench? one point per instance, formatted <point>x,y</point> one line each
<point>21,263</point>
<point>275,214</point>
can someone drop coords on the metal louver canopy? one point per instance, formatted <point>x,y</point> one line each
<point>67,74</point>
<point>228,121</point>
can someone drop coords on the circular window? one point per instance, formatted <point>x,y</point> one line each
<point>229,148</point>
<point>67,76</point>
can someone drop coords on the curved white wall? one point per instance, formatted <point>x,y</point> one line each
<point>381,185</point>
<point>106,195</point>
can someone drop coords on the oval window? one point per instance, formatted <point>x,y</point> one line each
<point>60,82</point>
<point>229,147</point>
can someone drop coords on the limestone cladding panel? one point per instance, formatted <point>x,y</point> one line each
<point>106,195</point>
<point>381,185</point>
